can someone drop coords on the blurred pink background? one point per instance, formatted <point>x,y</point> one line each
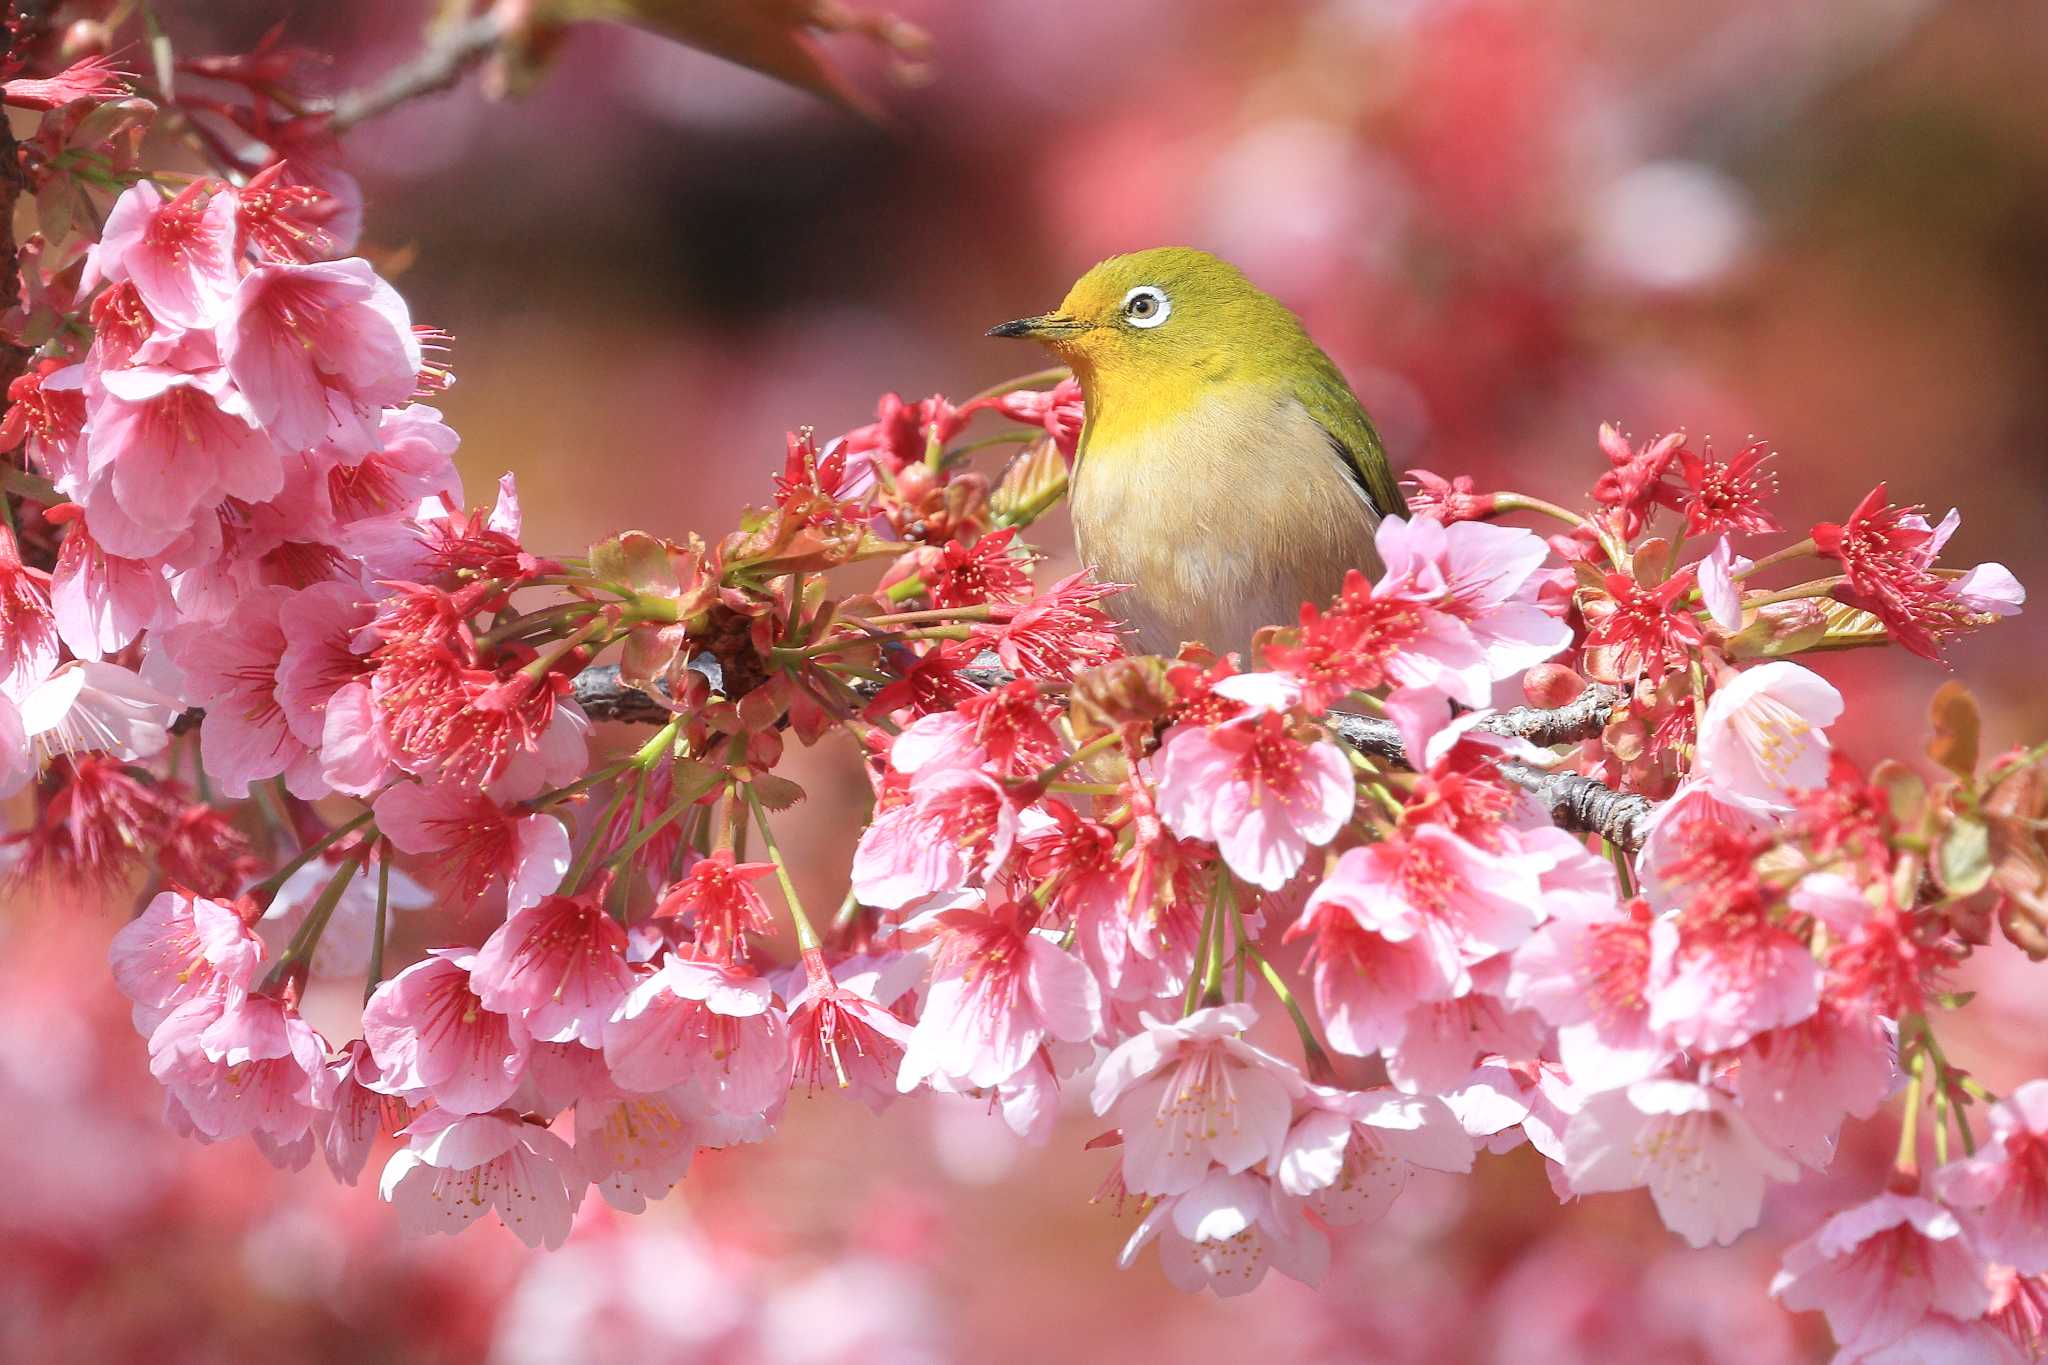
<point>1825,224</point>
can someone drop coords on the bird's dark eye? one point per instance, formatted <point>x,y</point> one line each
<point>1146,306</point>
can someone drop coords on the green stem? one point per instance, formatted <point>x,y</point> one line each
<point>546,618</point>
<point>840,643</point>
<point>980,611</point>
<point>1035,380</point>
<point>308,937</point>
<point>1522,502</point>
<point>1818,587</point>
<point>806,936</point>
<point>377,930</point>
<point>1311,1049</point>
<point>267,888</point>
<point>586,855</point>
<point>1200,967</point>
<point>1776,557</point>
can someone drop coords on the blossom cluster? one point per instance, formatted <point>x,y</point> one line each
<point>261,661</point>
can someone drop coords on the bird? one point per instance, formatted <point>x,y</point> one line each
<point>1225,473</point>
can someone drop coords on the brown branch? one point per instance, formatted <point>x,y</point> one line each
<point>437,66</point>
<point>1574,802</point>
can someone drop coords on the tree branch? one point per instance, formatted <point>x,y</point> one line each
<point>437,66</point>
<point>1575,802</point>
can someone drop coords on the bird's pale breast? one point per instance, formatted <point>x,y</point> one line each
<point>1224,518</point>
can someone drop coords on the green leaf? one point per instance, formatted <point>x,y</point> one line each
<point>1962,861</point>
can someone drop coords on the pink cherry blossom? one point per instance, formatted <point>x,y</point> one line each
<point>1366,984</point>
<point>1797,1084</point>
<point>180,252</point>
<point>28,628</point>
<point>1714,987</point>
<point>322,626</point>
<point>179,948</point>
<point>1879,1267</point>
<point>1481,583</point>
<point>1719,589</point>
<point>483,843</point>
<point>455,1166</point>
<point>102,601</point>
<point>1441,1040</point>
<point>1705,1167</point>
<point>1463,903</point>
<point>1700,810</point>
<point>1260,793</point>
<point>1938,1339</point>
<point>1762,735</point>
<point>998,992</point>
<point>560,964</point>
<point>1587,972</point>
<point>1191,1095</point>
<point>958,826</point>
<point>230,668</point>
<point>357,1111</point>
<point>319,350</point>
<point>710,1028</point>
<point>1225,1232</point>
<point>2002,1191</point>
<point>97,707</point>
<point>635,1148</point>
<point>433,1037</point>
<point>843,1032</point>
<point>1351,1153</point>
<point>242,1063</point>
<point>166,445</point>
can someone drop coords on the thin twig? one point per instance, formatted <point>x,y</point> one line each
<point>437,67</point>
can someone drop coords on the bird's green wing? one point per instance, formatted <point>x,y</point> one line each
<point>1329,400</point>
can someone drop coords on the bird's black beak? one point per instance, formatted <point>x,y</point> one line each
<point>1044,327</point>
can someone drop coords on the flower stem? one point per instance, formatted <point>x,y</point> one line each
<point>1776,557</point>
<point>806,936</point>
<point>268,887</point>
<point>1036,379</point>
<point>308,937</point>
<point>377,930</point>
<point>1522,502</point>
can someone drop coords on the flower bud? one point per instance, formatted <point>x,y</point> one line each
<point>1130,691</point>
<point>1551,685</point>
<point>1781,629</point>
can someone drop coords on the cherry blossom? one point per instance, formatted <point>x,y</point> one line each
<point>1350,1154</point>
<point>1226,1232</point>
<point>319,349</point>
<point>433,1036</point>
<point>179,948</point>
<point>2002,1191</point>
<point>1704,1165</point>
<point>711,1028</point>
<point>456,1166</point>
<point>1877,1268</point>
<point>1762,736</point>
<point>1191,1095</point>
<point>560,965</point>
<point>180,252</point>
<point>1262,794</point>
<point>998,992</point>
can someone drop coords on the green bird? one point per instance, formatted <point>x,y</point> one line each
<point>1225,471</point>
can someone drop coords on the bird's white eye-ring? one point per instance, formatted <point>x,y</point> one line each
<point>1147,306</point>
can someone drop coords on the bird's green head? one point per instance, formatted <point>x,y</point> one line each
<point>1168,313</point>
